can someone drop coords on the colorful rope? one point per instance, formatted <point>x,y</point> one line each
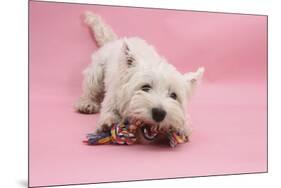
<point>125,133</point>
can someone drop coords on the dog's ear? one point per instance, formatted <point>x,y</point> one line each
<point>193,79</point>
<point>129,57</point>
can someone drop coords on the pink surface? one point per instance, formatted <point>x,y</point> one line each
<point>228,112</point>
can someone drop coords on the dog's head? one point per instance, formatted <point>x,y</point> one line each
<point>157,93</point>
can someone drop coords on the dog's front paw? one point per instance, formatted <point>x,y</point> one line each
<point>106,121</point>
<point>185,132</point>
<point>181,130</point>
<point>87,106</point>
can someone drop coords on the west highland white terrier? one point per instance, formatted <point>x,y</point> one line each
<point>127,77</point>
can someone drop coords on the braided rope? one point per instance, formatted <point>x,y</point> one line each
<point>125,133</point>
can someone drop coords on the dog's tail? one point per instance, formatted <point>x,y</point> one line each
<point>102,32</point>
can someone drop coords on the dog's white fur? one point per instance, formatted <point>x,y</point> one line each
<point>120,67</point>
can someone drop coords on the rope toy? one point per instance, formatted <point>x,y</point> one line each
<point>124,133</point>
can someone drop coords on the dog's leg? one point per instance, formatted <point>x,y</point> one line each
<point>93,84</point>
<point>109,114</point>
<point>183,130</point>
<point>93,88</point>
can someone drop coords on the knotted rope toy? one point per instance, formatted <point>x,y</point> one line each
<point>124,132</point>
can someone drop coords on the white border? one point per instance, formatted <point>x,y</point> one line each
<point>13,93</point>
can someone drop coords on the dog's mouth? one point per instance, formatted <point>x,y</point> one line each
<point>150,124</point>
<point>148,128</point>
<point>148,133</point>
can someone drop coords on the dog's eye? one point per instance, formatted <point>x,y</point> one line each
<point>146,87</point>
<point>173,96</point>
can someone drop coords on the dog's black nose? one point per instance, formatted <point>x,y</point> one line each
<point>158,114</point>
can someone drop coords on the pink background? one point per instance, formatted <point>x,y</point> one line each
<point>229,111</point>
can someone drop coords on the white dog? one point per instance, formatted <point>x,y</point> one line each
<point>128,78</point>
